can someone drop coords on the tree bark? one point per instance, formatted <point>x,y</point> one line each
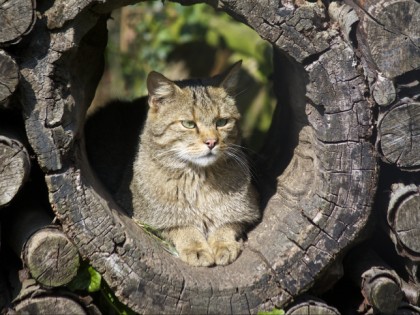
<point>333,66</point>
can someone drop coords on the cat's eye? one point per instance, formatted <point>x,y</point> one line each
<point>189,124</point>
<point>221,122</point>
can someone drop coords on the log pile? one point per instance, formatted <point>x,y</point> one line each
<point>340,167</point>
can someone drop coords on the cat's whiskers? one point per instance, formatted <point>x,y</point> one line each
<point>235,151</point>
<point>240,92</point>
<point>238,157</point>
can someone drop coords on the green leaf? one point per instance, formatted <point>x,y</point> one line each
<point>87,279</point>
<point>95,280</point>
<point>110,302</point>
<point>274,311</point>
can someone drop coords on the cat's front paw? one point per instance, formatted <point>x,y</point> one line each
<point>197,254</point>
<point>225,252</point>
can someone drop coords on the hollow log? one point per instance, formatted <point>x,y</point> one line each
<point>318,169</point>
<point>50,257</point>
<point>15,166</point>
<point>404,220</point>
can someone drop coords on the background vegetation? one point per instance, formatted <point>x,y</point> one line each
<point>187,41</point>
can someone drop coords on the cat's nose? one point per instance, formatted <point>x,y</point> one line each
<point>211,143</point>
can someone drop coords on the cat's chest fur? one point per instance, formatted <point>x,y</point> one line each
<point>206,198</point>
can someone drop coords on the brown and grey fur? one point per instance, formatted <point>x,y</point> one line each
<point>199,195</point>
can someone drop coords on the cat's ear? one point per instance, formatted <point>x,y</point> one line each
<point>229,79</point>
<point>159,88</point>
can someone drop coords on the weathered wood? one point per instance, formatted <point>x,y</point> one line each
<point>408,309</point>
<point>50,257</point>
<point>380,285</point>
<point>413,269</point>
<point>411,293</point>
<point>312,306</point>
<point>32,299</point>
<point>404,220</point>
<point>399,136</point>
<point>9,75</point>
<point>384,91</point>
<point>14,166</point>
<point>345,16</point>
<point>319,184</point>
<point>391,34</point>
<point>16,20</point>
<point>49,305</point>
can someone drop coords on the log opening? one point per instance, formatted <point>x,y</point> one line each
<point>309,218</point>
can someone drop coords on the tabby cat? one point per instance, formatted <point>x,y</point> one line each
<point>190,177</point>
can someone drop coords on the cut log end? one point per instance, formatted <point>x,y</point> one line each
<point>16,19</point>
<point>9,76</point>
<point>404,220</point>
<point>51,258</point>
<point>384,294</point>
<point>14,168</point>
<point>49,305</point>
<point>399,136</point>
<point>392,31</point>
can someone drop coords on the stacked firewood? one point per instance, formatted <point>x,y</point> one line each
<point>354,102</point>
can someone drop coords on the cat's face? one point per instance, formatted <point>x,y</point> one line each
<point>193,122</point>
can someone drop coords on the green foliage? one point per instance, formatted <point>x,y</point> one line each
<point>156,30</point>
<point>110,303</point>
<point>274,311</point>
<point>87,279</point>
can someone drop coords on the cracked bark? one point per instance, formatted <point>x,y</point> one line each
<point>318,167</point>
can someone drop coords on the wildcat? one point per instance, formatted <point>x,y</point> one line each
<point>190,177</point>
